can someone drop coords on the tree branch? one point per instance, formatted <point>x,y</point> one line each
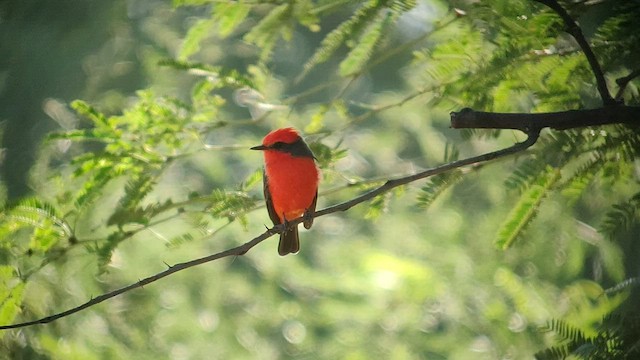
<point>624,81</point>
<point>242,249</point>
<point>576,32</point>
<point>619,114</point>
<point>238,250</point>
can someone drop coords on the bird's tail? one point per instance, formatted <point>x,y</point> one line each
<point>289,241</point>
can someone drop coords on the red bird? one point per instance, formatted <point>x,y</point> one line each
<point>290,183</point>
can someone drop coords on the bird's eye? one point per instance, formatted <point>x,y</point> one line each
<point>278,145</point>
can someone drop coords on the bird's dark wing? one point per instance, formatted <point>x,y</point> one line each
<point>310,212</point>
<point>267,198</point>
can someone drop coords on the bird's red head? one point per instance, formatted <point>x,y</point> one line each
<point>284,141</point>
<point>286,135</point>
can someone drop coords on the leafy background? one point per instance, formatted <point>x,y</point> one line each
<point>151,167</point>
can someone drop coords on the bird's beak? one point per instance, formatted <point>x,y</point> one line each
<point>259,147</point>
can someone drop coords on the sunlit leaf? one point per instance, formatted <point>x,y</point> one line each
<point>193,39</point>
<point>525,209</point>
<point>11,295</point>
<point>362,51</point>
<point>229,15</point>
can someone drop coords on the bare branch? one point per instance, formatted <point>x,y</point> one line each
<point>624,81</point>
<point>242,249</point>
<point>576,32</point>
<point>238,250</point>
<point>619,114</point>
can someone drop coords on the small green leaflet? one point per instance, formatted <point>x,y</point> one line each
<point>525,210</point>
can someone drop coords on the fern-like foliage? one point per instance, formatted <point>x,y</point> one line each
<point>618,337</point>
<point>40,220</point>
<point>586,159</point>
<point>437,185</point>
<point>524,174</point>
<point>134,145</point>
<point>625,28</point>
<point>581,158</point>
<point>270,29</point>
<point>378,206</point>
<point>134,148</point>
<point>362,51</point>
<point>231,204</point>
<point>325,155</point>
<point>565,333</point>
<point>526,208</point>
<point>11,293</point>
<point>362,32</point>
<point>134,192</point>
<point>622,217</point>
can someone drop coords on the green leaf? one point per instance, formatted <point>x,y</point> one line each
<point>105,249</point>
<point>339,35</point>
<point>46,225</point>
<point>317,120</point>
<point>525,174</point>
<point>195,35</point>
<point>436,185</point>
<point>525,210</point>
<point>360,54</point>
<point>268,30</point>
<point>11,295</point>
<point>577,183</point>
<point>326,156</point>
<point>101,172</point>
<point>176,241</point>
<point>229,15</point>
<point>129,208</point>
<point>230,204</point>
<point>88,111</point>
<point>378,206</point>
<point>621,217</point>
<point>401,6</point>
<point>252,180</point>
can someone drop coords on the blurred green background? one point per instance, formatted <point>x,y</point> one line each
<point>394,279</point>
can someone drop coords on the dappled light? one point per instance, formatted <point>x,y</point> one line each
<point>478,179</point>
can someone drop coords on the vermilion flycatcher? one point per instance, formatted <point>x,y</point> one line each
<point>290,183</point>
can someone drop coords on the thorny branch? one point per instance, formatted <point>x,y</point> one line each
<point>242,249</point>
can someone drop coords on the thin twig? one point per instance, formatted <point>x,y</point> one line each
<point>399,103</point>
<point>576,32</point>
<point>242,249</point>
<point>238,250</point>
<point>393,183</point>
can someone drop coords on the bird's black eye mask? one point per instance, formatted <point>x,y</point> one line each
<point>297,148</point>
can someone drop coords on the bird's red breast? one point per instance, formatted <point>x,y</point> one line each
<point>293,183</point>
<point>291,173</point>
